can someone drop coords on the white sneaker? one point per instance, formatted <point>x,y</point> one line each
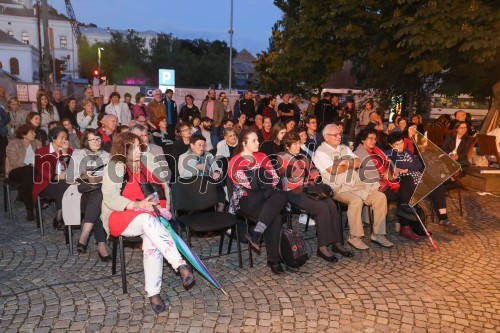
<point>358,243</point>
<point>381,240</point>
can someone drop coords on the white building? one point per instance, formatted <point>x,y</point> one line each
<point>18,59</point>
<point>101,35</point>
<point>18,20</point>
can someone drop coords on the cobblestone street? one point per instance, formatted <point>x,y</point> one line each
<point>405,289</point>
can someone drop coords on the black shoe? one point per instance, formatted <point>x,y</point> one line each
<point>81,248</point>
<point>320,254</point>
<point>188,280</point>
<point>106,258</point>
<point>157,304</point>
<point>342,251</point>
<point>255,238</point>
<point>276,268</point>
<point>59,225</point>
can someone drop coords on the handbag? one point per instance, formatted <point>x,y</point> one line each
<point>318,191</point>
<point>149,188</point>
<point>86,186</point>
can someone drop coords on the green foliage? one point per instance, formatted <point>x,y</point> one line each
<point>197,63</point>
<point>403,47</point>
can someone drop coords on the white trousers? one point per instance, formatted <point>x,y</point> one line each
<point>157,243</point>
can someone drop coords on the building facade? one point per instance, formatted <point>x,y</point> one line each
<point>18,20</point>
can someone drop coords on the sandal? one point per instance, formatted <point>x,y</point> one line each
<point>451,227</point>
<point>157,304</point>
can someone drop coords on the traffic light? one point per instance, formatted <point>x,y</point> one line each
<point>58,69</point>
<point>96,73</point>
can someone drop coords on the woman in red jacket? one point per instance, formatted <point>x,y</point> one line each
<point>51,162</point>
<point>255,195</point>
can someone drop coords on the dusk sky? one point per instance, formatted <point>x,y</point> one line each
<point>191,19</point>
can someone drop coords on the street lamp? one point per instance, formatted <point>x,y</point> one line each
<point>99,49</point>
<point>231,31</point>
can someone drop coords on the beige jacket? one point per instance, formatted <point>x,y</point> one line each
<point>16,152</point>
<point>157,109</point>
<point>218,112</point>
<point>112,184</point>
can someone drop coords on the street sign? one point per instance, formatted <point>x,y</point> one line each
<point>166,77</point>
<point>148,91</point>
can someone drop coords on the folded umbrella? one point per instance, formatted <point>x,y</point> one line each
<point>189,254</point>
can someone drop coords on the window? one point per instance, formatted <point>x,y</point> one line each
<point>11,34</point>
<point>25,38</point>
<point>14,66</point>
<point>64,42</point>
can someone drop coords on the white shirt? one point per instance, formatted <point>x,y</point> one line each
<point>29,158</point>
<point>208,145</point>
<point>322,161</point>
<point>59,168</point>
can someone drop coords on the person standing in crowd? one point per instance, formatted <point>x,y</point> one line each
<point>336,109</point>
<point>293,169</point>
<point>314,138</point>
<point>323,110</point>
<point>364,116</point>
<point>70,111</point>
<point>87,118</point>
<point>108,130</point>
<point>212,108</point>
<point>246,106</point>
<point>255,195</point>
<point>337,164</point>
<point>118,108</point>
<point>3,96</point>
<point>45,110</point>
<point>189,110</point>
<point>17,116</point>
<point>58,103</point>
<point>51,162</point>
<point>156,107</point>
<point>221,97</point>
<point>89,94</point>
<point>20,162</point>
<point>228,111</point>
<point>4,133</point>
<point>271,111</point>
<point>87,166</point>
<point>33,119</point>
<point>74,135</point>
<point>298,114</point>
<point>171,109</point>
<point>286,109</point>
<point>140,109</point>
<point>127,97</point>
<point>127,211</point>
<point>310,107</point>
<point>349,118</point>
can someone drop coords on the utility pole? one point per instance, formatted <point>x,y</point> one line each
<point>40,66</point>
<point>231,50</point>
<point>47,58</point>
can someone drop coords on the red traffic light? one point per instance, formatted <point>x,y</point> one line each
<point>96,72</point>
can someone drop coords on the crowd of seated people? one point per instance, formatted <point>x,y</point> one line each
<point>255,146</point>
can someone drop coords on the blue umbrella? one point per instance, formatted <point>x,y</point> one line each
<point>189,254</point>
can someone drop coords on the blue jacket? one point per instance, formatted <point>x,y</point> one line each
<point>214,136</point>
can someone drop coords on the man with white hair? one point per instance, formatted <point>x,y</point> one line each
<point>337,164</point>
<point>156,107</point>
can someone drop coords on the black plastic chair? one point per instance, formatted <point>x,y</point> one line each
<point>118,242</point>
<point>196,197</point>
<point>7,200</point>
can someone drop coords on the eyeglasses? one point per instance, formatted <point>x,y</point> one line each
<point>335,134</point>
<point>94,140</point>
<point>371,138</point>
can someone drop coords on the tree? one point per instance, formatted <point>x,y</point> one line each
<point>407,47</point>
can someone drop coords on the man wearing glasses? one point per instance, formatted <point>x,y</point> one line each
<point>337,164</point>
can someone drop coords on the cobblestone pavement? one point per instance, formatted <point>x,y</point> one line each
<point>405,289</point>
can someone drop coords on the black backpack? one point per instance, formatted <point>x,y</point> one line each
<point>416,226</point>
<point>292,248</point>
